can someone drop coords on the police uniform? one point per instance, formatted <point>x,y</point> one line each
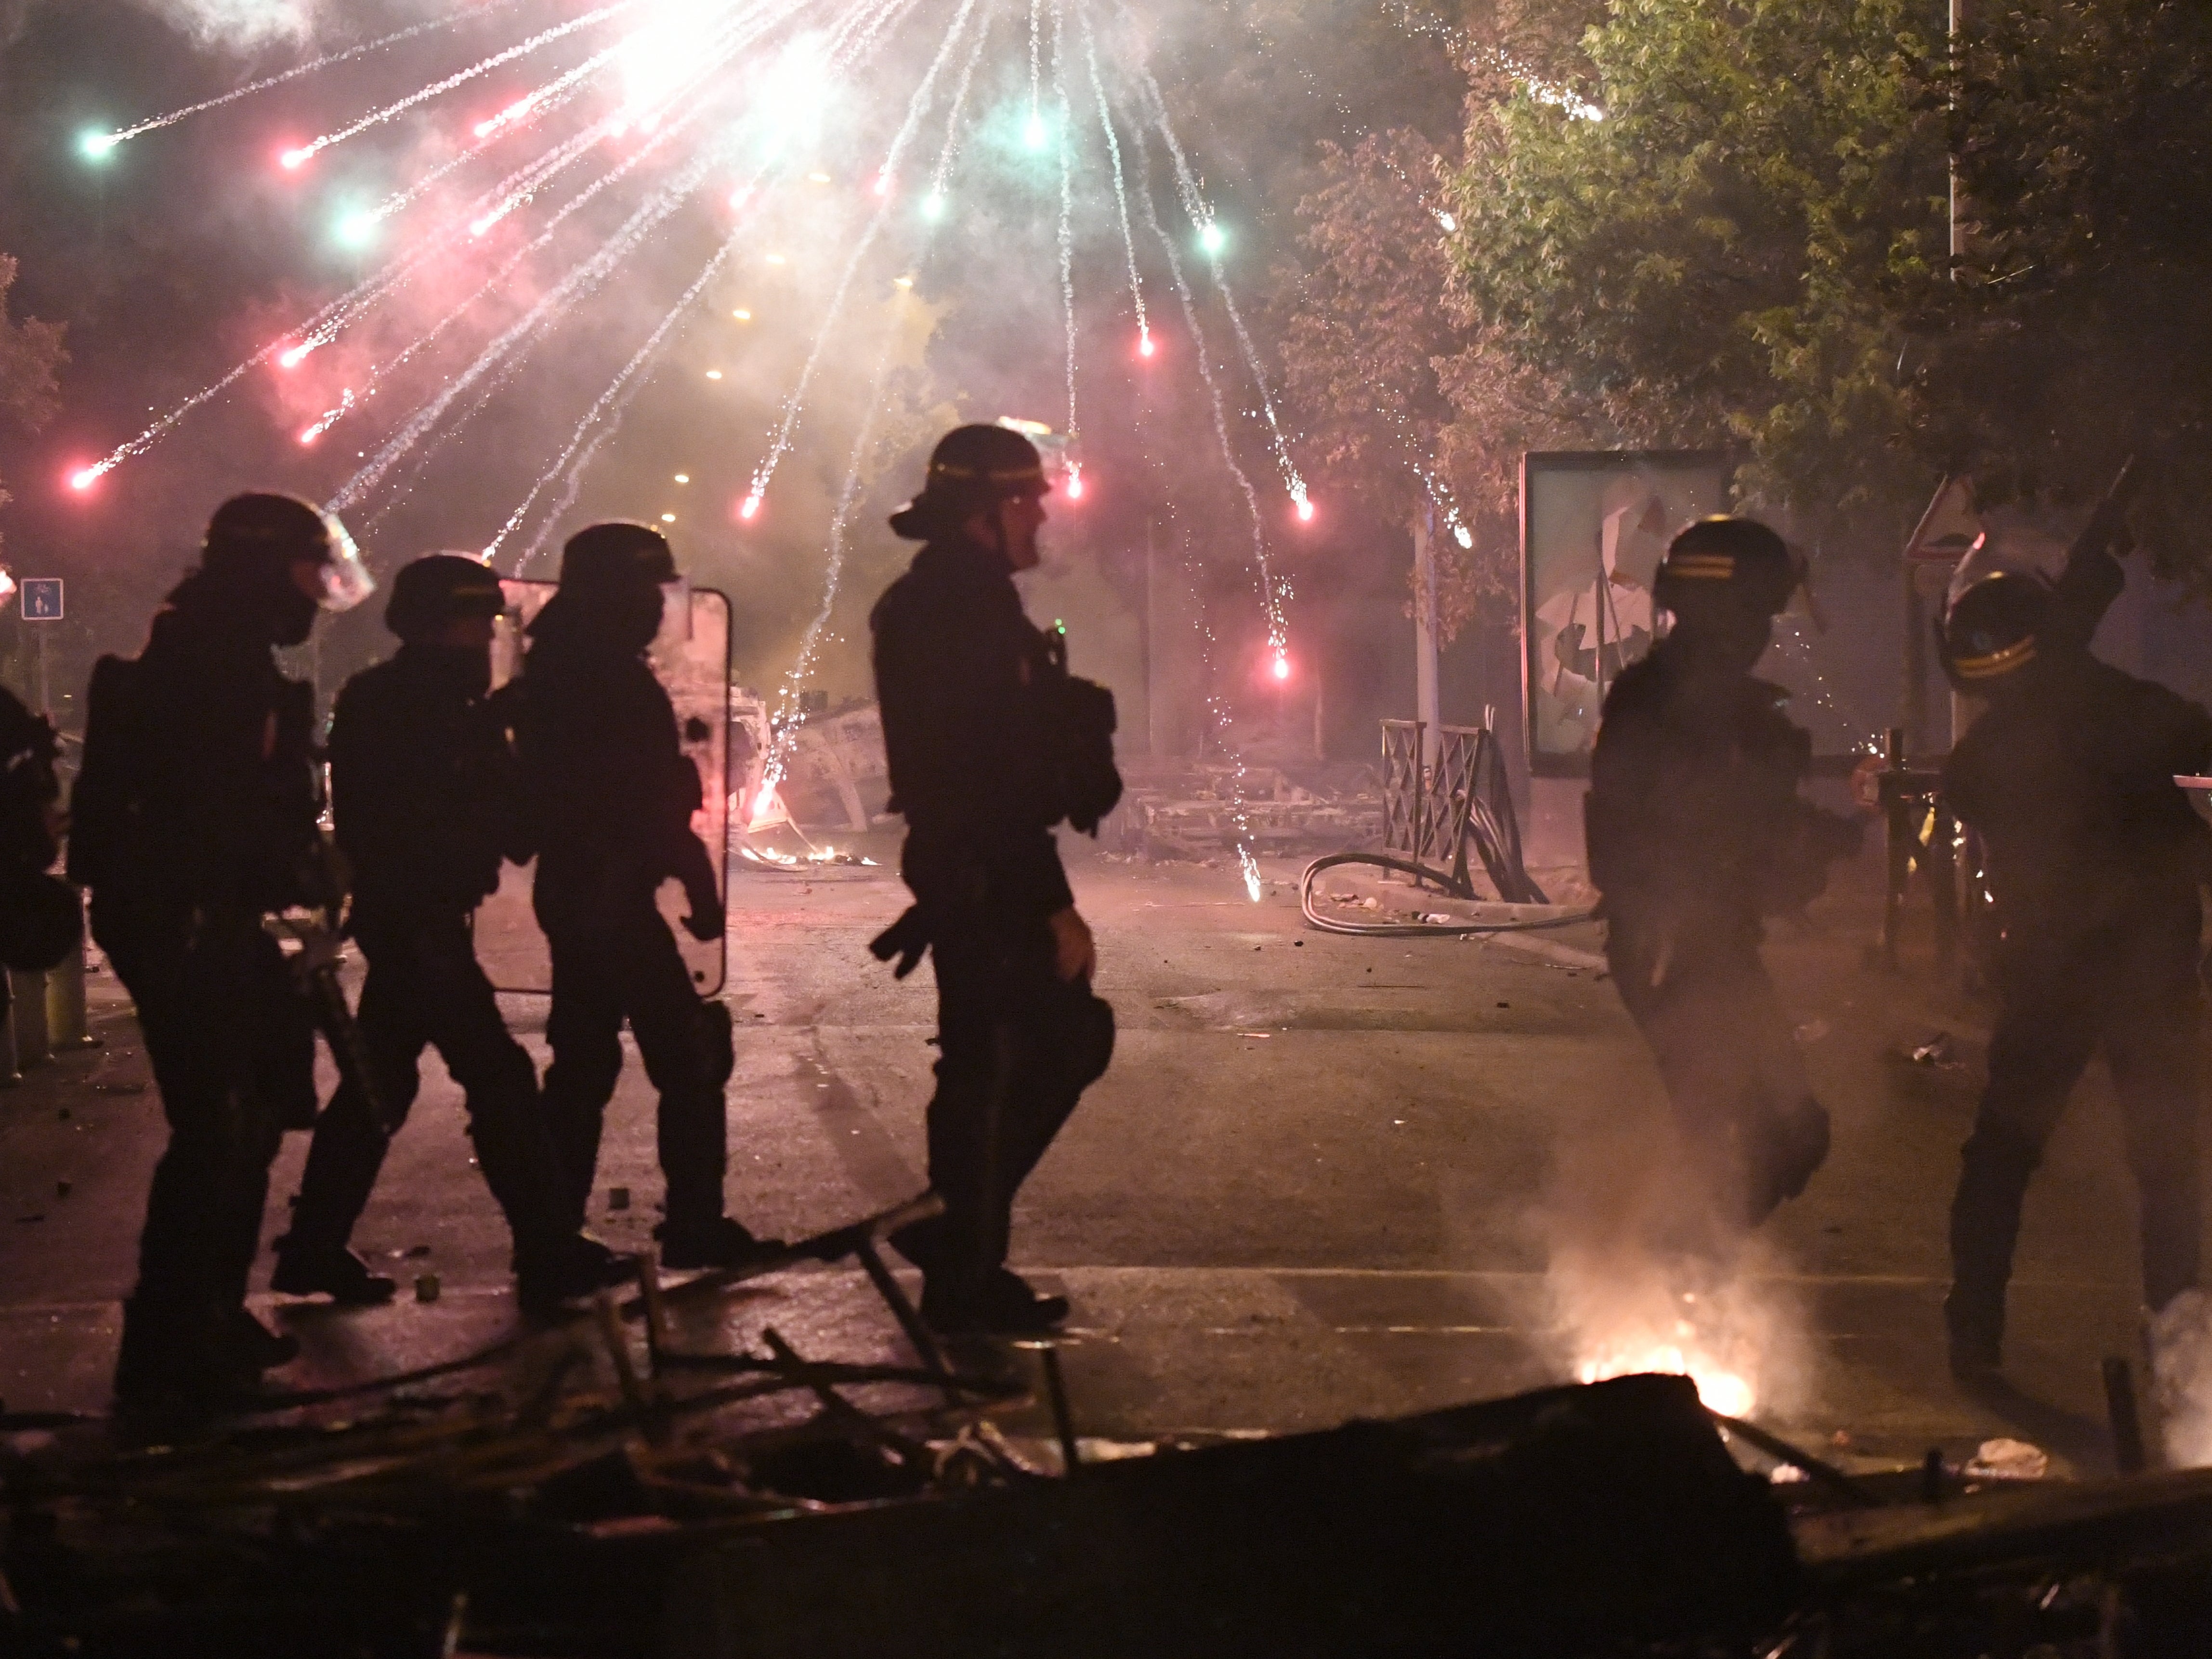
<point>194,816</point>
<point>979,754</point>
<point>1696,834</point>
<point>612,797</point>
<point>2094,859</point>
<point>426,796</point>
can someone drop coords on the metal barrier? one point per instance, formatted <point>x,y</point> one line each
<point>1432,811</point>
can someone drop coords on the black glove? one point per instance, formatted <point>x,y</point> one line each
<point>907,939</point>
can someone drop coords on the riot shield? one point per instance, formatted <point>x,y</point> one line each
<point>691,658</point>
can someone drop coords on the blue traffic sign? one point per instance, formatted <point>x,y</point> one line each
<point>42,598</point>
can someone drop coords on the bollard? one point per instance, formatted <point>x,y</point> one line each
<point>10,1073</point>
<point>28,997</point>
<point>67,1025</point>
<point>2128,1452</point>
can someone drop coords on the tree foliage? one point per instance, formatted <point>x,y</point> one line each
<point>30,352</point>
<point>1718,255</point>
<point>1402,398</point>
<point>1752,246</point>
<point>2077,332</point>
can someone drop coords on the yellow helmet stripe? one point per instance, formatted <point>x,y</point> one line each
<point>1996,663</point>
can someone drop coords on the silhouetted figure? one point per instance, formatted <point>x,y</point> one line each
<point>41,919</point>
<point>195,817</point>
<point>991,744</point>
<point>612,796</point>
<point>1696,834</point>
<point>2094,860</point>
<point>426,797</point>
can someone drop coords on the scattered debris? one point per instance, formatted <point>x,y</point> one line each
<point>1936,1051</point>
<point>2008,1460</point>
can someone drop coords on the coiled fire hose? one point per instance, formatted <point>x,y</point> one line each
<point>1414,929</point>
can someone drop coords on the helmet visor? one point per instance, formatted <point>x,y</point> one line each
<point>346,581</point>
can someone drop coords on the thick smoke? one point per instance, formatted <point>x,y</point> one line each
<point>2181,1378</point>
<point>237,23</point>
<point>1640,1277</point>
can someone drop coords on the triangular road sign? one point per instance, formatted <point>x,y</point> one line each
<point>1949,528</point>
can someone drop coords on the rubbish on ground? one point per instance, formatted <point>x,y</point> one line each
<point>618,1198</point>
<point>1936,1051</point>
<point>2005,1459</point>
<point>426,1287</point>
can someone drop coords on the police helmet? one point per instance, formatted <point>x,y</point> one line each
<point>438,588</point>
<point>1723,556</point>
<point>971,471</point>
<point>255,537</point>
<point>1993,629</point>
<point>608,555</point>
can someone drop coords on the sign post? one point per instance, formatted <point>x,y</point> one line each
<point>42,603</point>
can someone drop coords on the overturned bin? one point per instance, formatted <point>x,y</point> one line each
<point>1558,1522</point>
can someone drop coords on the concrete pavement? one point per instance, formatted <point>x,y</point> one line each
<point>1326,1176</point>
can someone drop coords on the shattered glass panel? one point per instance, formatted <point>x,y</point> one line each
<point>691,656</point>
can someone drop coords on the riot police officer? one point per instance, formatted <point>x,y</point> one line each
<point>2094,858</point>
<point>426,800</point>
<point>990,743</point>
<point>1697,832</point>
<point>193,817</point>
<point>612,797</point>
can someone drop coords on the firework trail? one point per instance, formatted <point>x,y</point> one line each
<point>1066,238</point>
<point>579,282</point>
<point>780,444</point>
<point>555,303</point>
<point>300,156</point>
<point>1036,133</point>
<point>1200,213</point>
<point>789,718</point>
<point>734,39</point>
<point>1202,627</point>
<point>573,485</point>
<point>1277,628</point>
<point>933,204</point>
<point>546,100</point>
<point>101,143</point>
<point>327,324</point>
<point>628,371</point>
<point>867,26</point>
<point>1121,189</point>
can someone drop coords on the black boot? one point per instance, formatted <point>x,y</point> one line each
<point>720,1242</point>
<point>581,1267</point>
<point>337,1272</point>
<point>1003,1304</point>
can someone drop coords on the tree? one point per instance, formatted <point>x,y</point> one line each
<point>1714,252</point>
<point>1750,244</point>
<point>2077,332</point>
<point>30,352</point>
<point>1402,400</point>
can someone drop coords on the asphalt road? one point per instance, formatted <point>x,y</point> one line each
<point>1325,1178</point>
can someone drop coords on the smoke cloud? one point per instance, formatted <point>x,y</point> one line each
<point>238,23</point>
<point>2181,1378</point>
<point>1641,1277</point>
